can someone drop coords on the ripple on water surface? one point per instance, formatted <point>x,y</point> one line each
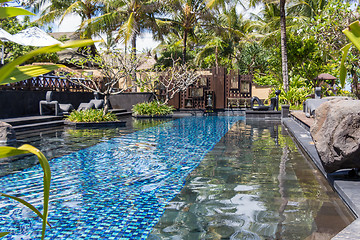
<point>117,188</point>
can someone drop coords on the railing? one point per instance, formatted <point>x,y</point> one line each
<point>47,83</point>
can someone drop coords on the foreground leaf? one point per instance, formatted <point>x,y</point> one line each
<point>343,71</point>
<point>6,12</point>
<point>6,70</point>
<point>11,151</point>
<point>3,234</point>
<point>26,72</point>
<point>353,33</point>
<point>47,179</point>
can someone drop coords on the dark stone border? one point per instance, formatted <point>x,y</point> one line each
<point>95,124</point>
<point>263,114</point>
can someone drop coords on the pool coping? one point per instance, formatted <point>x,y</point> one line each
<point>348,189</point>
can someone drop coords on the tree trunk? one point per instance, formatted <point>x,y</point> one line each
<point>133,58</point>
<point>184,49</point>
<point>106,103</point>
<point>284,61</point>
<point>216,57</point>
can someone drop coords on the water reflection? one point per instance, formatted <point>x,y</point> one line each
<point>254,184</point>
<point>65,140</point>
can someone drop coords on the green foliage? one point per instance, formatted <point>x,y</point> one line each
<point>266,79</point>
<point>91,115</point>
<point>353,33</point>
<point>327,25</point>
<point>297,93</point>
<point>11,66</point>
<point>152,108</point>
<point>253,56</point>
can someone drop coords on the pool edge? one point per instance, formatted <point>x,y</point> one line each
<point>347,190</point>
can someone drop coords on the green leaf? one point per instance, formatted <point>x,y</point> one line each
<point>26,148</point>
<point>8,68</point>
<point>10,151</point>
<point>126,30</point>
<point>6,12</point>
<point>353,33</point>
<point>26,204</point>
<point>343,71</point>
<point>47,179</point>
<point>26,72</point>
<point>3,234</point>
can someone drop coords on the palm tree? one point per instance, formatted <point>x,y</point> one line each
<point>284,58</point>
<point>86,9</point>
<point>226,33</point>
<point>129,18</point>
<point>186,16</point>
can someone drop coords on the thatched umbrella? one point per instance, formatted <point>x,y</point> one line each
<point>325,76</point>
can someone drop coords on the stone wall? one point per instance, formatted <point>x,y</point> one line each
<point>26,103</point>
<point>128,100</point>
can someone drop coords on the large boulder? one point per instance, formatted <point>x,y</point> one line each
<point>7,133</point>
<point>336,134</point>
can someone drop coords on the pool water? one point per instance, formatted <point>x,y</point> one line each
<point>191,178</point>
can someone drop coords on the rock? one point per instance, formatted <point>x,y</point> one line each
<point>7,133</point>
<point>336,134</point>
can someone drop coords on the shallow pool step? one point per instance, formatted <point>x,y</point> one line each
<point>120,112</point>
<point>38,125</point>
<point>31,120</point>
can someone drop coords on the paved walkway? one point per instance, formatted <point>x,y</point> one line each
<point>348,189</point>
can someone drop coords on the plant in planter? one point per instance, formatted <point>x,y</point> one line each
<point>91,115</point>
<point>154,108</point>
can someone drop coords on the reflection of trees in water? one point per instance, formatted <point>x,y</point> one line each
<point>253,185</point>
<point>282,191</point>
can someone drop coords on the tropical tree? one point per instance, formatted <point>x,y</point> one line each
<point>225,37</point>
<point>128,18</point>
<point>283,42</point>
<point>86,9</point>
<point>115,67</point>
<point>186,15</point>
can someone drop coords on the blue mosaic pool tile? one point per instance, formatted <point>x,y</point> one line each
<point>116,189</point>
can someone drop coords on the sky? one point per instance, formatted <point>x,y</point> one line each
<point>144,42</point>
<point>72,22</point>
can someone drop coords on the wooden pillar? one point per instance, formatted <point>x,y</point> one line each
<point>218,86</point>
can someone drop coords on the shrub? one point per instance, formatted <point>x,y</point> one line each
<point>91,115</point>
<point>152,108</point>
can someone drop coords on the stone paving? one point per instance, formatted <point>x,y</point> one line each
<point>347,188</point>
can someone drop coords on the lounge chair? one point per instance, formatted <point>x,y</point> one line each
<point>310,105</point>
<point>54,106</point>
<point>274,103</point>
<point>95,103</point>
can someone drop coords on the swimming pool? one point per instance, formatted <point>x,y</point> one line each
<point>191,178</point>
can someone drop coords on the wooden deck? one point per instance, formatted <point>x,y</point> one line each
<point>300,115</point>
